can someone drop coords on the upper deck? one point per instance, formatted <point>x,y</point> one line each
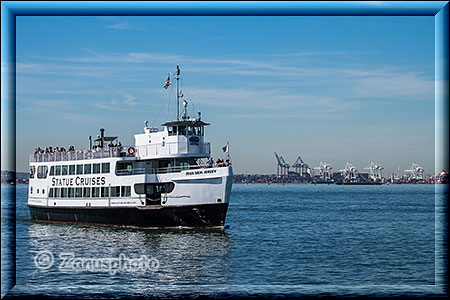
<point>177,139</point>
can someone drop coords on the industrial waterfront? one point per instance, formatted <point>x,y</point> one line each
<point>301,172</point>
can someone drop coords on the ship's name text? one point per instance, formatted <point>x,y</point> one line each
<point>77,181</point>
<point>201,172</point>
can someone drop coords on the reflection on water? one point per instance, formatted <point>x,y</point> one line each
<point>186,256</point>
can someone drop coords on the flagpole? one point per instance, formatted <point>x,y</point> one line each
<point>178,93</point>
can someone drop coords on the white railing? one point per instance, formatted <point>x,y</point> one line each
<point>84,154</point>
<point>143,151</point>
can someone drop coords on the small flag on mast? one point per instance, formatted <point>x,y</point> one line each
<point>225,148</point>
<point>166,85</point>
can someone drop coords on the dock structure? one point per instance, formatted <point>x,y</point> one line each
<point>349,172</point>
<point>415,172</point>
<point>375,171</point>
<point>301,168</point>
<point>300,171</point>
<point>282,166</point>
<point>324,171</point>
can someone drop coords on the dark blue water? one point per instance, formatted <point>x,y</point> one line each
<point>294,239</point>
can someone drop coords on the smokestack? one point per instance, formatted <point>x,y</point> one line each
<point>102,136</point>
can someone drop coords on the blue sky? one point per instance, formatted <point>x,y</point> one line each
<point>332,89</point>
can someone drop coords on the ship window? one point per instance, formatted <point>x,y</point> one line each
<point>79,169</point>
<point>63,192</point>
<point>115,191</point>
<point>124,168</point>
<point>58,170</point>
<point>37,191</point>
<point>105,167</point>
<point>52,170</point>
<point>78,192</point>
<point>96,192</point>
<point>172,130</point>
<point>86,192</point>
<point>42,172</point>
<point>72,170</point>
<point>71,192</point>
<point>32,171</point>
<point>126,191</point>
<point>64,170</point>
<point>182,130</point>
<point>87,169</point>
<point>105,191</point>
<point>57,192</point>
<point>50,193</point>
<point>192,130</point>
<point>96,168</point>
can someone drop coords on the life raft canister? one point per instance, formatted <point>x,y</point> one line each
<point>131,150</point>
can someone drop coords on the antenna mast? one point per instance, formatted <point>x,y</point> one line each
<point>178,93</point>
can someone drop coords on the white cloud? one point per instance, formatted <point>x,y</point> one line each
<point>124,25</point>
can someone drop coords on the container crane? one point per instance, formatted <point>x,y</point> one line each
<point>349,172</point>
<point>375,171</point>
<point>285,166</point>
<point>324,171</point>
<point>415,171</point>
<point>301,168</point>
<point>279,165</point>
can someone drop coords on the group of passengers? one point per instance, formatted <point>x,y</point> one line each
<point>71,149</point>
<point>112,145</point>
<point>51,150</point>
<point>219,163</point>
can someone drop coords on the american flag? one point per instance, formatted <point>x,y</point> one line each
<point>166,85</point>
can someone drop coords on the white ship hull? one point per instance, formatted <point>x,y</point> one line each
<point>161,181</point>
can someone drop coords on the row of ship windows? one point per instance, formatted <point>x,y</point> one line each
<point>70,170</point>
<point>87,192</point>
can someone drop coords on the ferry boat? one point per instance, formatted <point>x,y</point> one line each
<point>166,179</point>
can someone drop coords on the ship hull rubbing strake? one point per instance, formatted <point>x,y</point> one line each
<point>205,215</point>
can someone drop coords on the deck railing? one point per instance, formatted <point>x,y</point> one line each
<point>84,154</point>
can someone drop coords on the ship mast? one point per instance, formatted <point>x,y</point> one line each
<point>178,93</point>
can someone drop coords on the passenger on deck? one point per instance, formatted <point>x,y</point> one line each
<point>227,163</point>
<point>220,163</point>
<point>119,149</point>
<point>210,163</point>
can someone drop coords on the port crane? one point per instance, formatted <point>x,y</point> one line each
<point>375,171</point>
<point>415,171</point>
<point>349,172</point>
<point>324,170</point>
<point>301,168</point>
<point>282,166</point>
<point>285,166</point>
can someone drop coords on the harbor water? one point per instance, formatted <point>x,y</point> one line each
<point>297,239</point>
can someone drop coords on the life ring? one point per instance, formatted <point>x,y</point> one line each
<point>131,150</point>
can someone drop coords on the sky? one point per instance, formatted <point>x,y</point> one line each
<point>332,89</point>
